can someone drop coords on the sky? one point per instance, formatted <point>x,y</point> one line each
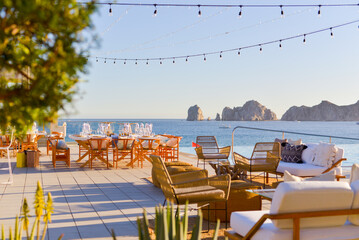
<point>297,74</point>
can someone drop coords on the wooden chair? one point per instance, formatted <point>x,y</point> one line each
<point>29,142</point>
<point>99,149</point>
<point>146,147</point>
<point>203,190</point>
<point>59,154</point>
<point>265,158</point>
<point>57,135</point>
<point>7,148</point>
<point>5,142</point>
<point>170,150</point>
<point>123,148</point>
<point>208,150</point>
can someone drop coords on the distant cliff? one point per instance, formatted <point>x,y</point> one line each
<point>195,114</point>
<point>325,111</point>
<point>251,111</point>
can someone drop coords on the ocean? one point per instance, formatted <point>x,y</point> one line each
<point>244,139</point>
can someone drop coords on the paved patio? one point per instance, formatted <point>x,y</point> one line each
<point>88,203</point>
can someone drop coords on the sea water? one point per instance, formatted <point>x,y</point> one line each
<point>244,139</point>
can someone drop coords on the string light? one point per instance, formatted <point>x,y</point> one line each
<point>173,60</point>
<point>199,10</point>
<point>281,11</point>
<point>124,62</point>
<point>240,11</point>
<point>147,62</point>
<point>136,62</point>
<point>110,10</point>
<point>155,11</point>
<point>319,13</point>
<point>260,45</point>
<point>220,55</point>
<point>114,62</point>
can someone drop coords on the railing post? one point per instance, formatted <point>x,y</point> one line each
<point>282,135</point>
<point>330,139</point>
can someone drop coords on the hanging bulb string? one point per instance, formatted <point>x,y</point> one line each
<point>221,5</point>
<point>233,49</point>
<point>139,47</point>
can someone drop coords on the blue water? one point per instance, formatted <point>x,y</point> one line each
<point>244,139</point>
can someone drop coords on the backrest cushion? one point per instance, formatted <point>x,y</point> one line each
<point>311,196</point>
<point>325,155</point>
<point>354,175</point>
<point>172,142</point>
<point>295,142</point>
<point>308,154</point>
<point>329,176</point>
<point>354,219</point>
<point>292,153</point>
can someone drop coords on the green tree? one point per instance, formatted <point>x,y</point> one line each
<point>42,53</point>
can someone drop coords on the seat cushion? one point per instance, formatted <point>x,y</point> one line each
<point>300,169</point>
<point>242,222</point>
<point>177,163</point>
<point>311,196</point>
<point>354,219</point>
<point>179,169</point>
<point>199,194</point>
<point>215,156</point>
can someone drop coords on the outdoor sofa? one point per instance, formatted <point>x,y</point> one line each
<point>303,210</point>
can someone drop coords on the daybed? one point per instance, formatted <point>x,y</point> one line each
<point>316,159</point>
<point>306,210</point>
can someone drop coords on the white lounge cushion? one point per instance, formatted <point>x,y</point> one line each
<point>354,219</point>
<point>311,196</point>
<point>308,154</point>
<point>354,175</point>
<point>241,222</point>
<point>329,176</point>
<point>304,169</point>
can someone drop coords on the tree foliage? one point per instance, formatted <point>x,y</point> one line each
<point>42,53</point>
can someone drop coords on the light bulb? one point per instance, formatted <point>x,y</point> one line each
<point>114,62</point>
<point>96,60</point>
<point>319,12</point>
<point>110,11</point>
<point>204,58</point>
<point>281,11</point>
<point>124,62</point>
<point>199,11</point>
<point>240,11</point>
<point>280,43</point>
<point>136,62</point>
<point>173,61</point>
<point>104,61</point>
<point>331,33</point>
<point>260,49</point>
<point>160,61</point>
<point>220,55</point>
<point>239,51</point>
<point>304,40</point>
<point>147,62</point>
<point>187,59</point>
<point>155,11</point>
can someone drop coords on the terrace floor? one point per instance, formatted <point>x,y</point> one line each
<point>88,203</point>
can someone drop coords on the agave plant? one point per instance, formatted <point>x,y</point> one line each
<point>170,225</point>
<point>23,223</point>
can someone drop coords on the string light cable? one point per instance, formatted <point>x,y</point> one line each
<point>141,46</point>
<point>238,49</point>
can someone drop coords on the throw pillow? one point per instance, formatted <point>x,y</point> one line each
<point>280,140</point>
<point>308,154</point>
<point>292,153</point>
<point>325,155</point>
<point>329,176</point>
<point>172,142</point>
<point>62,145</point>
<point>295,142</point>
<point>354,175</point>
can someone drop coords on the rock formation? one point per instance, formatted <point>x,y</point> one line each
<point>251,111</point>
<point>195,114</point>
<point>218,117</point>
<point>325,111</point>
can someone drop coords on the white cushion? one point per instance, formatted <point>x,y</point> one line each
<point>172,142</point>
<point>329,176</point>
<point>325,155</point>
<point>354,175</point>
<point>354,219</point>
<point>241,222</point>
<point>311,196</point>
<point>295,142</point>
<point>300,169</point>
<point>308,154</point>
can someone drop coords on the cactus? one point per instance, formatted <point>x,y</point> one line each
<point>23,222</point>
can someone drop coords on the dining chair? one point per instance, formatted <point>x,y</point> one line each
<point>123,148</point>
<point>7,149</point>
<point>145,147</point>
<point>169,150</point>
<point>60,151</point>
<point>29,142</point>
<point>57,135</point>
<point>99,149</point>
